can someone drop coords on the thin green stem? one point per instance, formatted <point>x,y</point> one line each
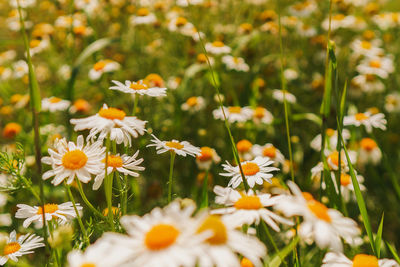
<point>85,199</point>
<point>135,103</point>
<point>170,180</point>
<point>204,197</point>
<point>271,240</point>
<point>108,183</point>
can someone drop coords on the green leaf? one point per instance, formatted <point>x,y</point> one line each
<point>276,260</point>
<point>378,238</point>
<point>91,49</point>
<point>330,71</point>
<point>393,251</point>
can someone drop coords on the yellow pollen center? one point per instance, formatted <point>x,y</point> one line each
<point>363,260</point>
<point>319,210</point>
<point>375,64</point>
<point>202,58</point>
<point>250,168</point>
<point>142,12</point>
<point>11,248</point>
<point>366,45</point>
<point>54,100</point>
<point>360,116</point>
<point>138,86</point>
<point>181,21</point>
<point>88,264</point>
<point>248,203</point>
<point>244,145</point>
<point>236,110</point>
<point>370,77</point>
<point>214,224</point>
<point>192,101</point>
<point>48,208</point>
<point>112,113</point>
<point>114,161</point>
<point>246,263</point>
<point>269,152</point>
<point>259,112</point>
<point>218,44</point>
<point>307,196</point>
<point>345,179</point>
<point>206,154</point>
<point>338,17</point>
<point>368,144</point>
<point>334,158</point>
<point>74,160</point>
<point>330,132</point>
<point>99,65</point>
<point>173,144</point>
<point>161,236</point>
<point>34,43</point>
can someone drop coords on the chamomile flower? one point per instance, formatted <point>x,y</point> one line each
<point>22,3</point>
<point>11,130</point>
<point>303,9</point>
<point>219,250</point>
<point>113,122</point>
<point>244,149</point>
<point>124,164</point>
<point>262,115</point>
<point>339,21</point>
<point>181,148</point>
<point>69,160</point>
<point>103,66</point>
<point>143,16</point>
<point>185,3</point>
<point>217,48</point>
<point>332,159</point>
<point>380,66</point>
<point>54,104</point>
<point>161,238</point>
<point>280,95</point>
<point>331,137</point>
<point>140,87</point>
<point>255,171</point>
<point>248,208</point>
<point>20,69</point>
<point>367,119</point>
<point>346,185</point>
<point>392,102</point>
<point>337,259</point>
<point>206,158</point>
<point>235,63</point>
<point>7,56</point>
<point>38,45</point>
<point>80,106</point>
<point>234,114</point>
<point>369,152</point>
<point>194,104</point>
<point>323,225</point>
<point>368,83</point>
<point>270,151</point>
<point>366,48</point>
<point>16,247</point>
<point>62,212</point>
<point>181,25</point>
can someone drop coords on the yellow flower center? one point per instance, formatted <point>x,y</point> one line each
<point>11,129</point>
<point>330,132</point>
<point>370,77</point>
<point>80,30</point>
<point>244,145</point>
<point>206,154</point>
<point>161,236</point>
<point>114,161</point>
<point>250,168</point>
<point>366,45</point>
<point>248,203</point>
<point>112,113</point>
<point>54,100</point>
<point>334,158</point>
<point>247,27</point>
<point>99,65</point>
<point>375,64</point>
<point>319,210</point>
<point>246,263</point>
<point>138,86</point>
<point>236,110</point>
<point>81,105</point>
<point>192,101</point>
<point>88,264</point>
<point>181,21</point>
<point>363,260</point>
<point>11,248</point>
<point>338,17</point>
<point>259,112</point>
<point>34,43</point>
<point>214,223</point>
<point>307,196</point>
<point>74,160</point>
<point>269,152</point>
<point>218,44</point>
<point>360,116</point>
<point>368,144</point>
<point>48,208</point>
<point>173,144</point>
<point>202,58</point>
<point>142,12</point>
<point>345,179</point>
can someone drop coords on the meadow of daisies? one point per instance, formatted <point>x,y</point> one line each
<point>191,133</point>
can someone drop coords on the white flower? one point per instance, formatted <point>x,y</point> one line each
<point>54,104</point>
<point>206,157</point>
<point>368,83</point>
<point>248,208</point>
<point>22,3</point>
<point>36,46</point>
<point>103,66</point>
<point>217,48</point>
<point>139,87</point>
<point>262,115</point>
<point>185,3</point>
<point>386,20</point>
<point>20,68</point>
<point>69,160</point>
<point>380,66</point>
<point>123,164</point>
<point>234,114</point>
<point>270,151</point>
<point>323,225</point>
<point>63,212</point>
<point>339,21</point>
<point>337,259</point>
<point>331,137</point>
<point>143,16</point>
<point>235,63</point>
<point>303,9</point>
<point>367,119</point>
<point>392,102</point>
<point>280,95</point>
<point>162,238</point>
<point>7,56</point>
<point>181,25</point>
<point>16,247</point>
<point>194,104</point>
<point>90,7</point>
<point>369,152</point>
<point>181,148</point>
<point>366,48</point>
<point>255,172</point>
<point>111,121</point>
<point>291,74</point>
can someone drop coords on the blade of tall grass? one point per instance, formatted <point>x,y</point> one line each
<point>393,251</point>
<point>276,260</point>
<point>378,238</point>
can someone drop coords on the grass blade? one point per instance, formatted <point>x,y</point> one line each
<point>393,251</point>
<point>276,260</point>
<point>378,238</point>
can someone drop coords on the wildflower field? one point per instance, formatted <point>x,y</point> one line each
<point>199,133</point>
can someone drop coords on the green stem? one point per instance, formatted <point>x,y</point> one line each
<point>85,199</point>
<point>271,240</point>
<point>135,103</point>
<point>204,201</point>
<point>108,182</point>
<point>171,169</point>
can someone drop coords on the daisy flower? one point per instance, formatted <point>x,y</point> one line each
<point>220,249</point>
<point>111,121</point>
<point>332,158</point>
<point>262,115</point>
<point>255,172</point>
<point>194,104</point>
<point>270,151</point>
<point>7,56</point>
<point>102,66</point>
<point>140,87</point>
<point>207,157</point>
<point>11,130</point>
<point>38,45</point>
<point>369,152</point>
<point>337,259</point>
<point>181,148</point>
<point>54,104</point>
<point>80,106</point>
<point>20,69</point>
<point>280,95</point>
<point>248,208</point>
<point>16,247</point>
<point>392,102</point>
<point>367,119</point>
<point>303,9</point>
<point>181,25</point>
<point>331,137</point>
<point>69,160</point>
<point>368,83</point>
<point>323,225</point>
<point>185,3</point>
<point>339,21</point>
<point>123,164</point>
<point>217,48</point>
<point>366,48</point>
<point>244,149</point>
<point>234,114</point>
<point>143,16</point>
<point>380,66</point>
<point>235,63</point>
<point>63,212</point>
<point>22,3</point>
<point>161,238</point>
<point>347,187</point>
